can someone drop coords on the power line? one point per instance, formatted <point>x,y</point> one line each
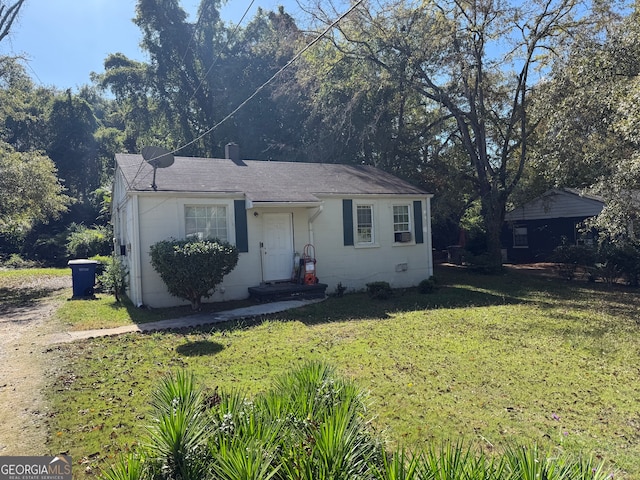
<point>275,75</point>
<point>265,84</point>
<point>193,35</point>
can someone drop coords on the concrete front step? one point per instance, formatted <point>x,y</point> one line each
<point>272,292</point>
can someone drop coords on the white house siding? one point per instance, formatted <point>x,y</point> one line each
<point>354,266</point>
<point>124,215</point>
<point>161,216</point>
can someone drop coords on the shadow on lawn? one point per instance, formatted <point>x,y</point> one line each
<point>200,348</point>
<point>145,315</point>
<point>458,288</point>
<point>15,301</point>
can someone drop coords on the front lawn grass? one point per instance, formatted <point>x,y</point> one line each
<point>496,361</point>
<point>23,287</point>
<point>103,311</point>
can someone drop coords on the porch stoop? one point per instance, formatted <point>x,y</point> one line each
<point>271,292</point>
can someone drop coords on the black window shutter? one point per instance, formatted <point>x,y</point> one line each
<point>347,221</point>
<point>242,234</point>
<point>417,220</point>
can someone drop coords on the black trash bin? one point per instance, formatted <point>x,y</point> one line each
<point>83,274</point>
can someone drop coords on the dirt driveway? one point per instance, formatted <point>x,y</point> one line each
<point>26,315</point>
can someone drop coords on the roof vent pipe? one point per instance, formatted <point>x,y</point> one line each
<point>232,152</point>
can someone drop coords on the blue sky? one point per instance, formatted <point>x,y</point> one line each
<point>63,41</point>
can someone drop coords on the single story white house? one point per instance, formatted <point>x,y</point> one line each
<point>365,225</point>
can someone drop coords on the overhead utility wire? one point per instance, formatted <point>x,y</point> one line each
<point>275,75</point>
<point>195,28</point>
<point>264,85</point>
<point>184,56</point>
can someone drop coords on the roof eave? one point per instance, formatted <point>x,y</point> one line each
<point>293,204</point>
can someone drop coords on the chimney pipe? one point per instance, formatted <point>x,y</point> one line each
<point>232,152</point>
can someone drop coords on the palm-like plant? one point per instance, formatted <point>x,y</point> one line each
<point>181,428</point>
<point>130,467</point>
<point>311,426</point>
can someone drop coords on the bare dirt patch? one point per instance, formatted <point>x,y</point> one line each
<point>26,315</point>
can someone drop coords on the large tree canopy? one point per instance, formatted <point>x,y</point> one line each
<point>588,137</point>
<point>29,190</point>
<point>476,63</point>
<point>200,72</point>
<point>470,99</point>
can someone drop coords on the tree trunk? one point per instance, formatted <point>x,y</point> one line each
<point>196,304</point>
<point>493,209</point>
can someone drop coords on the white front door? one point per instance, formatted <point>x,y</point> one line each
<point>277,246</point>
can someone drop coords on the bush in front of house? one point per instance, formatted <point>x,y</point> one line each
<point>625,258</point>
<point>113,277</point>
<point>428,285</point>
<point>192,269</point>
<point>379,290</point>
<point>311,425</point>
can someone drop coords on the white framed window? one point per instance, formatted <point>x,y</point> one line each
<point>402,224</point>
<point>206,221</point>
<point>364,224</point>
<point>520,237</point>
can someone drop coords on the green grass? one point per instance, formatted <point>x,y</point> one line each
<point>7,274</point>
<point>104,312</point>
<point>495,361</point>
<point>23,287</point>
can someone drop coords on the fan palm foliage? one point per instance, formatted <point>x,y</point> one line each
<point>312,425</point>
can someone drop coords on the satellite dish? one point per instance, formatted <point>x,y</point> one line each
<point>157,157</point>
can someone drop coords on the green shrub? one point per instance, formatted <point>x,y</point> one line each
<point>103,261</point>
<point>181,427</point>
<point>85,242</point>
<point>379,290</point>
<point>129,467</point>
<point>340,289</point>
<point>625,257</point>
<point>192,269</point>
<point>113,278</point>
<point>49,249</point>
<point>571,257</point>
<point>16,261</point>
<point>428,285</point>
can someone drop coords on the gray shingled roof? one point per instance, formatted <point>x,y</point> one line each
<point>262,181</point>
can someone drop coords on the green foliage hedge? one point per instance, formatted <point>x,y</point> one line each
<point>192,269</point>
<point>379,290</point>
<point>311,425</point>
<point>114,277</point>
<point>609,261</point>
<point>428,285</point>
<point>85,242</point>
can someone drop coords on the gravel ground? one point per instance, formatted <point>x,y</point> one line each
<point>25,323</point>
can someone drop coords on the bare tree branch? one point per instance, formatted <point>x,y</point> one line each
<point>8,14</point>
